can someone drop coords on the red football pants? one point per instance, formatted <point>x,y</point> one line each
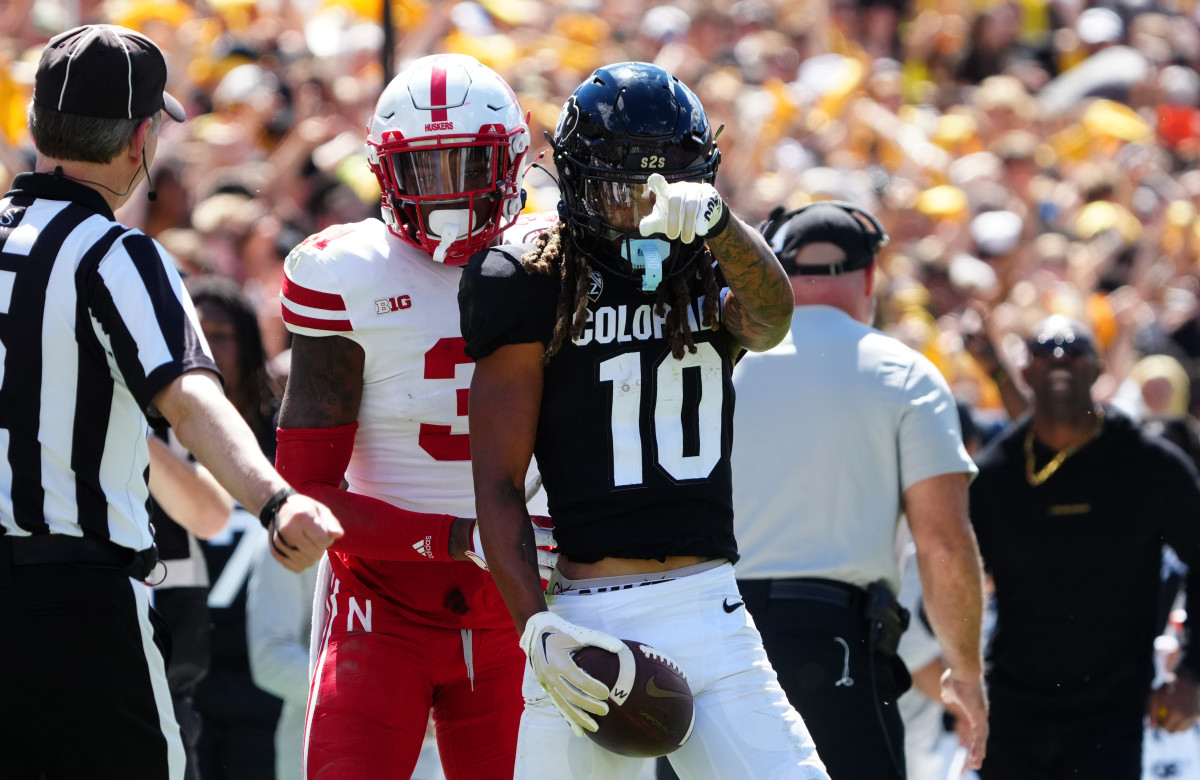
<point>379,676</point>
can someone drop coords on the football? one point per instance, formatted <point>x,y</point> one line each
<point>650,711</point>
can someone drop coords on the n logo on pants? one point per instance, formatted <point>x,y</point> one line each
<point>363,614</point>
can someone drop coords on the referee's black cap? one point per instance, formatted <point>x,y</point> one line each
<point>105,71</point>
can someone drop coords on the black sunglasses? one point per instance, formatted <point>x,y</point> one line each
<point>1070,345</point>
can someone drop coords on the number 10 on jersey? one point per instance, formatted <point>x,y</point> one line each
<point>685,396</point>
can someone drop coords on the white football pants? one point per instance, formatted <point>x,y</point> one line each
<point>745,728</point>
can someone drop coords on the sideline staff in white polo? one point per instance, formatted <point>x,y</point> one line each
<point>840,430</point>
<point>97,335</point>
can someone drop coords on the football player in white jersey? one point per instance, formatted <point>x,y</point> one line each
<point>377,397</point>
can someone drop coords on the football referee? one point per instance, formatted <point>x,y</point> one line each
<point>98,338</point>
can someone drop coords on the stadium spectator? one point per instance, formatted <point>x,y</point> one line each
<point>239,718</point>
<point>183,489</point>
<point>278,630</point>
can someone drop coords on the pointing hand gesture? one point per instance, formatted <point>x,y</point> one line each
<point>686,210</point>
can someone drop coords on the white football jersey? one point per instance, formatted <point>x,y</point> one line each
<point>359,281</point>
<point>525,230</point>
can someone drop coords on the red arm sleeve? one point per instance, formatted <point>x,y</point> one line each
<point>314,460</point>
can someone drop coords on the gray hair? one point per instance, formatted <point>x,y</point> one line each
<point>82,138</point>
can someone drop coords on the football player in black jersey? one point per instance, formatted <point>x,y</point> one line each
<point>605,349</point>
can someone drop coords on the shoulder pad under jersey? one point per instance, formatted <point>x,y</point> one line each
<point>315,274</point>
<point>525,230</point>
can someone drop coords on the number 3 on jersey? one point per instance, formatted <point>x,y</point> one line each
<point>441,362</point>
<point>686,399</point>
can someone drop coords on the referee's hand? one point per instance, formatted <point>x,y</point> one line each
<point>303,530</point>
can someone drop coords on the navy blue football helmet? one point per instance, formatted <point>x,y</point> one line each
<point>626,122</point>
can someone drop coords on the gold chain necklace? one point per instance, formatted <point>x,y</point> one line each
<point>1035,478</point>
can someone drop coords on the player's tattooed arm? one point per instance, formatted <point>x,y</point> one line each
<point>758,309</point>
<point>325,384</point>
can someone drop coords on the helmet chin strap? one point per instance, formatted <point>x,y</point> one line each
<point>448,224</point>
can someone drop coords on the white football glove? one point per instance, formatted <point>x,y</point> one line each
<point>550,642</point>
<point>543,537</point>
<point>686,210</point>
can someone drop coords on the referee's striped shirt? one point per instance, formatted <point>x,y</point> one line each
<point>94,322</point>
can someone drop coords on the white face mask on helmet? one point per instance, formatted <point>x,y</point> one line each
<point>447,143</point>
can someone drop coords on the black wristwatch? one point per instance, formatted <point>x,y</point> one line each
<point>270,510</point>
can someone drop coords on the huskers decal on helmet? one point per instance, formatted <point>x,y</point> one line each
<point>447,143</point>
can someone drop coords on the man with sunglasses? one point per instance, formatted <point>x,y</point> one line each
<point>1071,507</point>
<point>871,434</point>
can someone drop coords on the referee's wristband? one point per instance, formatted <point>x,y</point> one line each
<point>270,510</point>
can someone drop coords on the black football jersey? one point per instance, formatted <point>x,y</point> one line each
<point>632,445</point>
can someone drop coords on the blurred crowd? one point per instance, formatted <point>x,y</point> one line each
<point>1026,157</point>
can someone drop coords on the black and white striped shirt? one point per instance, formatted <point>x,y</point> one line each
<point>94,322</point>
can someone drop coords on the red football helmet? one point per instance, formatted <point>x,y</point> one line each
<point>447,143</point>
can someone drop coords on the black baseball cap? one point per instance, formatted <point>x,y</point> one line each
<point>106,71</point>
<point>825,222</point>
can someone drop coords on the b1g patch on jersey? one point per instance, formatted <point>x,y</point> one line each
<point>597,285</point>
<point>396,303</point>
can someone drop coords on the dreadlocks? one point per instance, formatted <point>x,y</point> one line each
<point>554,253</point>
